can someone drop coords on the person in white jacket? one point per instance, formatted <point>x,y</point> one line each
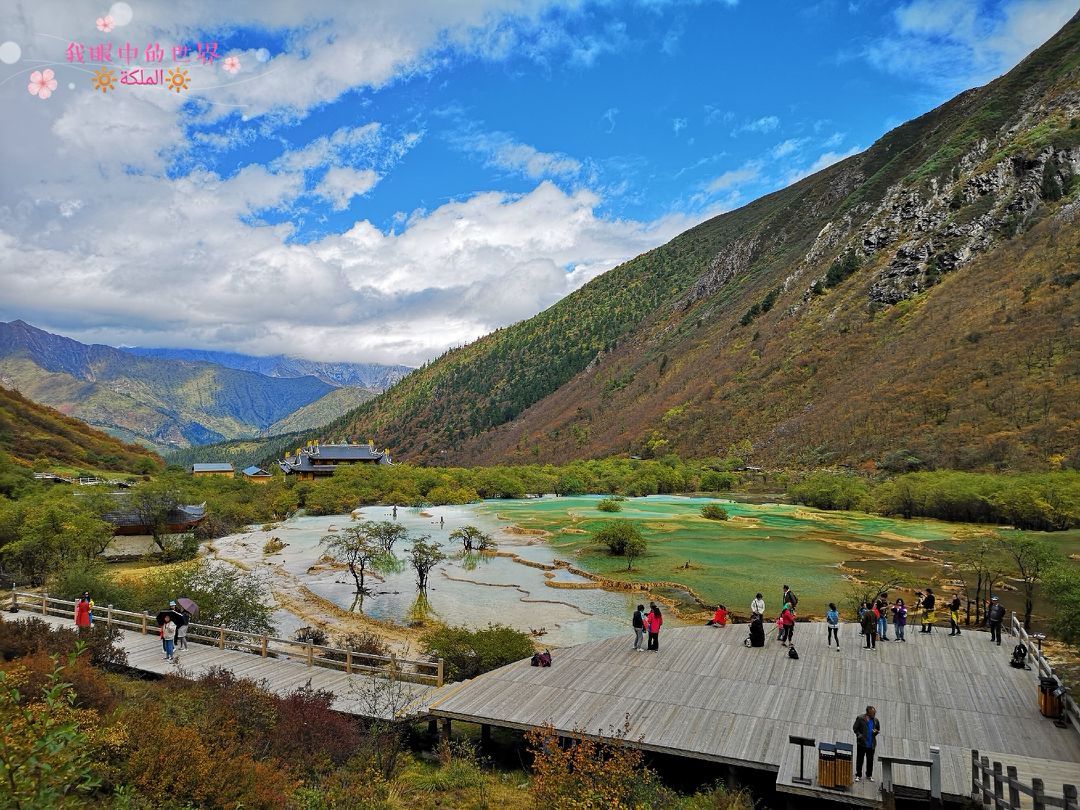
<point>757,606</point>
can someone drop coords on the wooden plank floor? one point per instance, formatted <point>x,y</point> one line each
<point>705,695</point>
<point>356,694</point>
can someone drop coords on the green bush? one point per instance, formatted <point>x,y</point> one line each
<point>617,535</point>
<point>468,653</point>
<point>609,505</point>
<point>714,511</point>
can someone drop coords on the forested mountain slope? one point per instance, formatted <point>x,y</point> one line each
<point>918,301</point>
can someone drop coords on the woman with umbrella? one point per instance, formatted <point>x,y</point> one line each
<point>189,610</point>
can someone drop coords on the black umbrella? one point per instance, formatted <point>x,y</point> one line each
<point>176,616</point>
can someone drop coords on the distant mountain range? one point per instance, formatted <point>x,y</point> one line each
<point>915,304</point>
<point>373,376</point>
<point>169,404</point>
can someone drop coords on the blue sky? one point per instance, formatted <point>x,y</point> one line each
<point>420,172</point>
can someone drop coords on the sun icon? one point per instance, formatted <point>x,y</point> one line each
<point>104,80</point>
<point>177,79</point>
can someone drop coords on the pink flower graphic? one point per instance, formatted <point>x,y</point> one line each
<point>42,83</point>
<point>231,64</point>
<point>105,24</point>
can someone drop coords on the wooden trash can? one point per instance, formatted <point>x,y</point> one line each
<point>1049,703</point>
<point>843,766</point>
<point>826,765</point>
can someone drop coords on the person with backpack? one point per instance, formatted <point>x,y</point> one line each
<point>868,622</point>
<point>881,605</point>
<point>832,619</point>
<point>639,627</point>
<point>995,616</point>
<point>954,616</point>
<point>866,728</point>
<point>789,598</point>
<point>928,603</point>
<point>899,620</point>
<point>655,619</point>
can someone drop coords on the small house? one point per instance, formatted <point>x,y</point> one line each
<point>256,475</point>
<point>216,468</point>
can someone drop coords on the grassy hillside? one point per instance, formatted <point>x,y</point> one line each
<point>322,411</point>
<point>34,434</point>
<point>917,297</point>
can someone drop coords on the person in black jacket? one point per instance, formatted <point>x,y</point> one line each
<point>995,616</point>
<point>954,616</point>
<point>639,627</point>
<point>928,605</point>
<point>866,728</point>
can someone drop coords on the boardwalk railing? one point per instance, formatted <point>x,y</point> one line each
<point>1072,713</point>
<point>418,670</point>
<point>888,787</point>
<point>989,786</point>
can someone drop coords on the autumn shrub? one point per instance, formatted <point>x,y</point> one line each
<point>609,505</point>
<point>354,785</point>
<point>714,511</point>
<point>32,634</point>
<point>316,635</point>
<point>605,774</point>
<point>310,735</point>
<point>89,689</point>
<point>468,653</point>
<point>273,546</point>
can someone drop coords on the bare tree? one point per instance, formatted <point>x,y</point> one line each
<point>980,567</point>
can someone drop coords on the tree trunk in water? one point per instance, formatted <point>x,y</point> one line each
<point>358,579</point>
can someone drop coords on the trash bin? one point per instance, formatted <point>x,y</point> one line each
<point>826,765</point>
<point>1049,701</point>
<point>842,766</point>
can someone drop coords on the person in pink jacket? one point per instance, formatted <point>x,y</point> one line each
<point>82,613</point>
<point>654,618</point>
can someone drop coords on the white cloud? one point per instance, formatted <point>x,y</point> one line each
<point>834,140</point>
<point>500,150</point>
<point>678,125</point>
<point>609,117</point>
<point>761,126</point>
<point>733,178</point>
<point>340,184</point>
<point>823,161</point>
<point>955,44</point>
<point>785,148</point>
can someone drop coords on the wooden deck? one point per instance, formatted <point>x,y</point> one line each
<point>705,695</point>
<point>356,694</point>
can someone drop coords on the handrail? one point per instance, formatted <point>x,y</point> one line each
<point>1072,711</point>
<point>933,765</point>
<point>426,670</point>
<point>987,795</point>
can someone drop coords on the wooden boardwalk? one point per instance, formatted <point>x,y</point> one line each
<point>705,695</point>
<point>362,695</point>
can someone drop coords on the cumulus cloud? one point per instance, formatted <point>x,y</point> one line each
<point>502,151</point>
<point>340,184</point>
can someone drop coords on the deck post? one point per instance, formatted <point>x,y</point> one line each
<point>310,654</point>
<point>1070,796</point>
<point>393,665</point>
<point>485,735</point>
<point>984,762</point>
<point>144,623</point>
<point>221,638</point>
<point>440,673</point>
<point>999,787</point>
<point>888,797</point>
<point>44,604</point>
<point>974,772</point>
<point>935,776</point>
<point>348,661</point>
<point>14,599</point>
<point>1014,791</point>
<point>446,730</point>
<point>265,640</point>
<point>433,728</point>
<point>1038,799</point>
<point>108,616</point>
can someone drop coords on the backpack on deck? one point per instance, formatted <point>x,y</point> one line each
<point>541,659</point>
<point>792,654</point>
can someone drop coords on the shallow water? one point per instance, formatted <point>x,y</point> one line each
<point>760,548</point>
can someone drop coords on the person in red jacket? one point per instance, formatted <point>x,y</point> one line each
<point>654,620</point>
<point>719,618</point>
<point>82,613</point>
<point>787,622</point>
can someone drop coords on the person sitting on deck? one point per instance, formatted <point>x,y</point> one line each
<point>719,617</point>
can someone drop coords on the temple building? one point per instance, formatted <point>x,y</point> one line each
<point>320,460</point>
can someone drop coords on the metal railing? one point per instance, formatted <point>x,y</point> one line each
<point>419,670</point>
<point>1071,711</point>
<point>989,783</point>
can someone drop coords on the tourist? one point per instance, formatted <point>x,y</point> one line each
<point>832,619</point>
<point>756,637</point>
<point>82,612</point>
<point>928,603</point>
<point>868,622</point>
<point>655,620</point>
<point>182,629</point>
<point>168,634</point>
<point>787,624</point>
<point>881,605</point>
<point>789,598</point>
<point>866,729</point>
<point>639,627</point>
<point>757,606</point>
<point>719,617</point>
<point>995,616</point>
<point>954,616</point>
<point>442,521</point>
<point>899,620</point>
